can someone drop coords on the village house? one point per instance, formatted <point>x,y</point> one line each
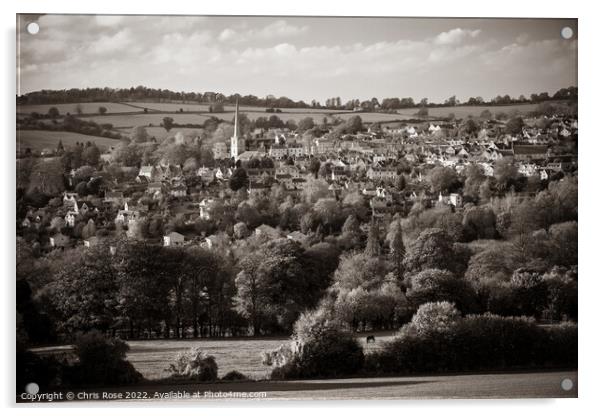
<point>59,241</point>
<point>115,198</point>
<point>173,239</point>
<point>70,218</point>
<point>205,208</point>
<point>91,242</point>
<point>147,171</point>
<point>207,175</point>
<point>382,174</point>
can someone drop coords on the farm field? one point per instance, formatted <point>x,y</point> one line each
<point>88,108</point>
<point>43,139</point>
<point>465,111</point>
<point>132,120</point>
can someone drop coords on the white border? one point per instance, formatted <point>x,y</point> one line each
<point>589,160</point>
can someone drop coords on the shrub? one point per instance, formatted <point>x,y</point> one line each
<point>194,364</point>
<point>234,376</point>
<point>44,371</point>
<point>562,346</point>
<point>101,362</point>
<point>319,349</point>
<point>434,317</point>
<point>477,342</point>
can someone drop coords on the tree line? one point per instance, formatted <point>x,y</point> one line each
<point>142,93</point>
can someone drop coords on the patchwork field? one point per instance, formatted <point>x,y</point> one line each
<point>43,139</point>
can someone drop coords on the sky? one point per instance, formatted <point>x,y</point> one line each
<point>303,58</point>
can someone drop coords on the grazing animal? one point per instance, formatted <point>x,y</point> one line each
<point>370,338</point>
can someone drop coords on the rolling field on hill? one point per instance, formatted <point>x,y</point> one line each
<point>43,139</point>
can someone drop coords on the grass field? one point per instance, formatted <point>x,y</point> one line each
<point>152,357</point>
<point>87,108</point>
<point>43,139</point>
<point>465,111</point>
<point>131,120</point>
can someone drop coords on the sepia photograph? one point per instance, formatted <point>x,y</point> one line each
<point>229,208</point>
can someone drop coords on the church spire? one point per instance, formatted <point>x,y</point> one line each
<point>236,120</point>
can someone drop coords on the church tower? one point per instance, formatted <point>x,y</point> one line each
<point>237,143</point>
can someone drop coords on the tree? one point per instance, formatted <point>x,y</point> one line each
<point>435,318</point>
<point>168,123</point>
<point>505,173</point>
<point>431,250</point>
<point>327,210</point>
<point>53,112</point>
<point>102,110</point>
<point>486,114</point>
<point>305,124</point>
<point>84,292</point>
<point>474,178</point>
<point>442,179</point>
<point>373,242</point>
<point>400,182</point>
<point>398,251</point>
<point>91,155</point>
<point>451,101</point>
<point>47,177</point>
<point>423,112</point>
<point>359,270</point>
<point>82,188</point>
<point>314,166</point>
<point>515,125</point>
<point>271,287</point>
<point>139,135</point>
<point>143,272</point>
<point>239,179</point>
<point>435,285</point>
<point>469,127</point>
<point>479,223</point>
<point>241,230</point>
<point>351,231</point>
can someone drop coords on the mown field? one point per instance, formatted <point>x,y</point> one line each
<point>44,139</point>
<point>151,358</point>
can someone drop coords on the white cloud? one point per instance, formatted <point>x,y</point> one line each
<point>227,35</point>
<point>455,36</point>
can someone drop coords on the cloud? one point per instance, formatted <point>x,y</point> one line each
<point>277,30</point>
<point>283,57</point>
<point>109,44</point>
<point>455,36</point>
<point>227,34</point>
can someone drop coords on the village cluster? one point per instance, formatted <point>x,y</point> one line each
<point>389,166</point>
